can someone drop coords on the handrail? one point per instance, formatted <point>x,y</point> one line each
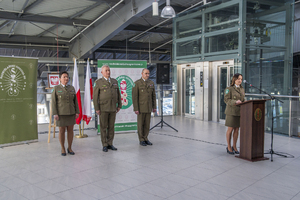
<point>278,96</point>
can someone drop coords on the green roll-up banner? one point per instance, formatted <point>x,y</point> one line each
<point>126,72</point>
<point>18,96</point>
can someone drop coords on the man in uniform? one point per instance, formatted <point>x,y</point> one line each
<point>144,101</point>
<point>107,102</point>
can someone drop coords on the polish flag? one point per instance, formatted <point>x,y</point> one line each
<point>77,90</point>
<point>88,95</point>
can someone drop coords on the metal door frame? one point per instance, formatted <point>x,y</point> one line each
<point>184,68</point>
<point>228,66</point>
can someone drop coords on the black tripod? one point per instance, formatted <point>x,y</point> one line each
<point>162,122</point>
<point>271,151</point>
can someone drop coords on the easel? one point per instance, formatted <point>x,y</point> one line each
<point>50,122</point>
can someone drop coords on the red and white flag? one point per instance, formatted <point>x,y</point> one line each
<point>88,95</point>
<point>77,90</point>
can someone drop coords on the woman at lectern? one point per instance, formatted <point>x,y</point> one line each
<point>234,95</point>
<point>65,110</point>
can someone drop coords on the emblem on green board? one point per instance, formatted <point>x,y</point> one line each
<point>125,84</point>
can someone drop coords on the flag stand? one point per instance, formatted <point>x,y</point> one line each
<point>81,134</point>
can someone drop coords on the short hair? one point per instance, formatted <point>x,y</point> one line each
<point>234,78</point>
<point>63,72</point>
<point>145,69</point>
<point>103,66</point>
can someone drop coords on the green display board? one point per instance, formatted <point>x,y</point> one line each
<point>18,96</point>
<point>126,72</point>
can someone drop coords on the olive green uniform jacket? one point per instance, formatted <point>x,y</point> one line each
<point>143,96</point>
<point>106,95</point>
<point>64,100</point>
<point>232,94</point>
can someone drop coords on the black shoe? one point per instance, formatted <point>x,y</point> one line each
<point>148,142</point>
<point>112,147</point>
<point>230,152</point>
<point>105,149</point>
<point>236,152</point>
<point>69,152</point>
<point>63,154</point>
<point>143,143</point>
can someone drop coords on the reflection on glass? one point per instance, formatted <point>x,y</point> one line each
<point>192,47</point>
<point>222,42</point>
<point>222,19</point>
<point>223,85</point>
<point>189,27</point>
<point>190,92</point>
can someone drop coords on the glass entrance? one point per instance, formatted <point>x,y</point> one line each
<point>190,91</point>
<point>225,75</point>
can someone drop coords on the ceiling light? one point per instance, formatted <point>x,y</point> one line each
<point>168,11</point>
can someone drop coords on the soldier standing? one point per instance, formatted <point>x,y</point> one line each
<point>107,102</point>
<point>144,101</point>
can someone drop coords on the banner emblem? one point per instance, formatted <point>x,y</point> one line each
<point>12,80</point>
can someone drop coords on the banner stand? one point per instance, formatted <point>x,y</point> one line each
<point>50,123</point>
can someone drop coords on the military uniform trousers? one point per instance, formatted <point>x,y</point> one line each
<point>107,127</point>
<point>143,123</point>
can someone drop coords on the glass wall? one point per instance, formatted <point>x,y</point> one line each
<point>257,35</point>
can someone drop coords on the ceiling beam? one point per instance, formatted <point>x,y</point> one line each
<point>31,40</point>
<point>42,19</point>
<point>134,45</point>
<point>144,28</point>
<point>85,45</point>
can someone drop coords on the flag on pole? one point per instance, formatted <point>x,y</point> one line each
<point>77,90</point>
<point>88,95</point>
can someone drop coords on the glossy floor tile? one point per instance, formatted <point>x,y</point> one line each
<point>189,164</point>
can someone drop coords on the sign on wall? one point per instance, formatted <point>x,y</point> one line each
<point>53,80</point>
<point>18,100</point>
<point>126,72</point>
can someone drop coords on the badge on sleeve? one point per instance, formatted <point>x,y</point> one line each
<point>227,91</point>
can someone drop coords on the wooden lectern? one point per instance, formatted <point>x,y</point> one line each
<point>252,131</point>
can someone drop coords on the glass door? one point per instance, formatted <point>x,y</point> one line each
<point>189,91</point>
<point>225,75</point>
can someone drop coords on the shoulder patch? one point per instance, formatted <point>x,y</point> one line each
<point>227,91</point>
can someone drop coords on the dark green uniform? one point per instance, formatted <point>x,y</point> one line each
<point>64,104</point>
<point>232,94</point>
<point>144,101</point>
<point>107,99</point>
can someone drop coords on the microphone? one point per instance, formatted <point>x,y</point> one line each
<point>247,83</point>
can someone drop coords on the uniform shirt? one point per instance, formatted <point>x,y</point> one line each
<point>143,96</point>
<point>106,95</point>
<point>64,100</point>
<point>232,94</point>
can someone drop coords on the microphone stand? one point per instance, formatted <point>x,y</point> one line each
<point>271,151</point>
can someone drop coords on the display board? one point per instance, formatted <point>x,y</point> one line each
<point>126,72</point>
<point>18,96</point>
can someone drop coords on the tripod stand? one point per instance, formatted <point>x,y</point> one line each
<point>271,151</point>
<point>162,122</point>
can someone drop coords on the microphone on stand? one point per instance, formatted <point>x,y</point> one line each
<point>248,83</point>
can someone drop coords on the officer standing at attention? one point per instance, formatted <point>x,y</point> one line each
<point>107,102</point>
<point>234,95</point>
<point>144,101</point>
<point>65,110</point>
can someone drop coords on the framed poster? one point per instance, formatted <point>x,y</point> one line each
<point>53,79</point>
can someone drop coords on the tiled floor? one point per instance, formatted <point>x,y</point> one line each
<point>191,164</point>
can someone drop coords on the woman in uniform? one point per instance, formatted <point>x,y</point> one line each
<point>234,95</point>
<point>65,110</point>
